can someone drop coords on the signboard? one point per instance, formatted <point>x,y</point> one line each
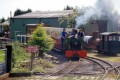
<point>32,49</point>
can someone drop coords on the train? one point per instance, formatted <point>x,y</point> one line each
<point>109,43</point>
<point>74,47</point>
<point>70,49</point>
<point>106,43</point>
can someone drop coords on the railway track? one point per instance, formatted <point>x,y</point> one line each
<point>67,69</point>
<point>107,67</point>
<point>107,70</point>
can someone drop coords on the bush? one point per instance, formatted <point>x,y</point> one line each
<point>41,39</point>
<point>19,54</point>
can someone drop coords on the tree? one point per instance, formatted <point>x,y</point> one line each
<point>2,20</point>
<point>41,39</point>
<point>68,8</point>
<point>69,18</point>
<point>19,12</point>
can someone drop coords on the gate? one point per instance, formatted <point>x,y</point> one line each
<point>2,61</point>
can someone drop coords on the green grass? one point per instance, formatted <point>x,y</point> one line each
<point>2,56</point>
<point>105,57</point>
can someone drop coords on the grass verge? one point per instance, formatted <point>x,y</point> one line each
<point>115,58</point>
<point>2,56</point>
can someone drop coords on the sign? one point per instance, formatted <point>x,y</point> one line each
<point>32,49</point>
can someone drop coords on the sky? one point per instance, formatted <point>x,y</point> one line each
<point>44,5</point>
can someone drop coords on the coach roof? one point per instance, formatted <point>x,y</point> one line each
<point>45,14</point>
<point>110,33</point>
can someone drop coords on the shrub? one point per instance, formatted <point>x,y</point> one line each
<point>18,55</point>
<point>41,39</point>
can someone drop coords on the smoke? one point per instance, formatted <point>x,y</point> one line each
<point>104,9</point>
<point>85,17</point>
<point>108,12</point>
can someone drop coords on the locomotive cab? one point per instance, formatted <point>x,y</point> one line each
<point>109,43</point>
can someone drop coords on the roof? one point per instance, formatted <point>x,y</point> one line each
<point>110,33</point>
<point>5,23</point>
<point>45,14</point>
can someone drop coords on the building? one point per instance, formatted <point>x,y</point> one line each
<point>4,29</point>
<point>49,18</point>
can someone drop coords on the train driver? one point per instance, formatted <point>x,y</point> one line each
<point>81,33</point>
<point>63,36</point>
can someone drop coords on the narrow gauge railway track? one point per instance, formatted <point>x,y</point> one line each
<point>68,68</point>
<point>107,69</point>
<point>118,68</point>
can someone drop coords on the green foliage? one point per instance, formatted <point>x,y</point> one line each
<point>68,8</point>
<point>19,54</point>
<point>2,56</point>
<point>2,20</point>
<point>41,39</point>
<point>69,18</point>
<point>20,70</point>
<point>5,28</point>
<point>19,12</point>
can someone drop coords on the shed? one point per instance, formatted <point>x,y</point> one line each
<point>49,18</point>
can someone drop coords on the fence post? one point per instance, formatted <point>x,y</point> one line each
<point>8,58</point>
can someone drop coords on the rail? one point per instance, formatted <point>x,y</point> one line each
<point>68,68</point>
<point>107,70</point>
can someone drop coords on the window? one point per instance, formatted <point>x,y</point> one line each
<point>31,31</point>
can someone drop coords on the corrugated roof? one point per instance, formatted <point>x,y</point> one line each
<point>110,33</point>
<point>45,14</point>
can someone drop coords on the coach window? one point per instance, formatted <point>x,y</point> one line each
<point>114,38</point>
<point>117,38</point>
<point>106,38</point>
<point>110,38</point>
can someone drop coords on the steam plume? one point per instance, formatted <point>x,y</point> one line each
<point>104,9</point>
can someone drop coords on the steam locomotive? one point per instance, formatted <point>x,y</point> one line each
<point>74,47</point>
